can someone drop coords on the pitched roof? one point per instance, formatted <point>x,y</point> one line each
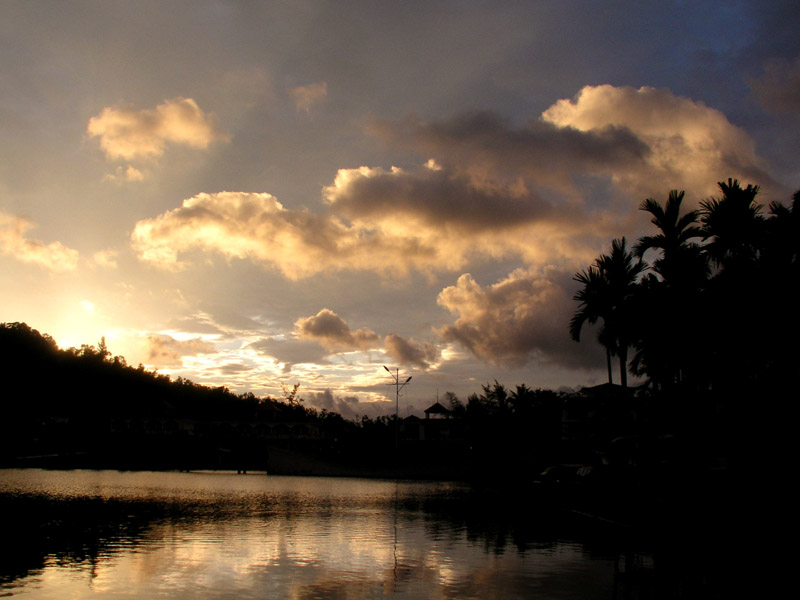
<point>437,409</point>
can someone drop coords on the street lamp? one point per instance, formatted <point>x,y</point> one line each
<point>397,387</point>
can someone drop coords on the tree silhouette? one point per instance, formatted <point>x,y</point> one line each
<point>680,262</point>
<point>593,306</point>
<point>668,298</point>
<point>782,246</point>
<point>778,281</point>
<point>735,233</point>
<point>608,292</point>
<point>733,225</point>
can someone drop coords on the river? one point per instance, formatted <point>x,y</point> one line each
<point>109,534</point>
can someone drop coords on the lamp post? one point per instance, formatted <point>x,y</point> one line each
<point>397,387</point>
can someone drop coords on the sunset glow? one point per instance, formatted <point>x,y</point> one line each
<point>227,194</point>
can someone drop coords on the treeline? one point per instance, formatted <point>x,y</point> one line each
<point>83,407</point>
<point>707,303</point>
<point>39,377</point>
<point>86,402</point>
<point>495,433</point>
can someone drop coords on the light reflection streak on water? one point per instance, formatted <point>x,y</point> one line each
<point>224,536</point>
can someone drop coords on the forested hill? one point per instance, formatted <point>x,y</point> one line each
<point>41,379</point>
<point>82,407</point>
<point>85,401</point>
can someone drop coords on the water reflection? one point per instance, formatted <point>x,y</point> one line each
<point>108,534</point>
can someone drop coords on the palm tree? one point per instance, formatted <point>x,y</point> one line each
<point>733,224</point>
<point>668,303</point>
<point>736,235</point>
<point>680,261</point>
<point>594,306</point>
<point>622,269</point>
<point>608,289</point>
<point>779,279</point>
<point>783,231</point>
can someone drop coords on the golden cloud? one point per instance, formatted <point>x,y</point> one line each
<point>644,141</point>
<point>383,221</point>
<point>255,226</point>
<point>129,134</point>
<point>690,145</point>
<point>13,242</point>
<point>489,191</point>
<point>242,225</point>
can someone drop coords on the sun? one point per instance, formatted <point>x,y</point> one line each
<point>79,325</point>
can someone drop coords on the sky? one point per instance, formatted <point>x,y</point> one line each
<point>259,195</point>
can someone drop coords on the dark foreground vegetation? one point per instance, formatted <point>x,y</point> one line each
<point>715,309</point>
<point>82,407</point>
<point>706,310</point>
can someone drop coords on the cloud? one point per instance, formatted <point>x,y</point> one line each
<point>13,242</point>
<point>432,197</point>
<point>350,407</point>
<point>166,351</point>
<point>522,318</point>
<point>289,351</point>
<point>552,192</point>
<point>256,226</point>
<point>234,368</point>
<point>106,259</point>
<point>243,225</point>
<point>425,236</point>
<point>691,146</point>
<point>306,96</point>
<point>125,174</point>
<point>490,152</point>
<point>778,89</point>
<point>409,352</point>
<point>331,331</point>
<point>644,140</point>
<point>433,218</point>
<point>129,134</point>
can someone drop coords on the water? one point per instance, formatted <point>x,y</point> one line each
<point>107,534</point>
